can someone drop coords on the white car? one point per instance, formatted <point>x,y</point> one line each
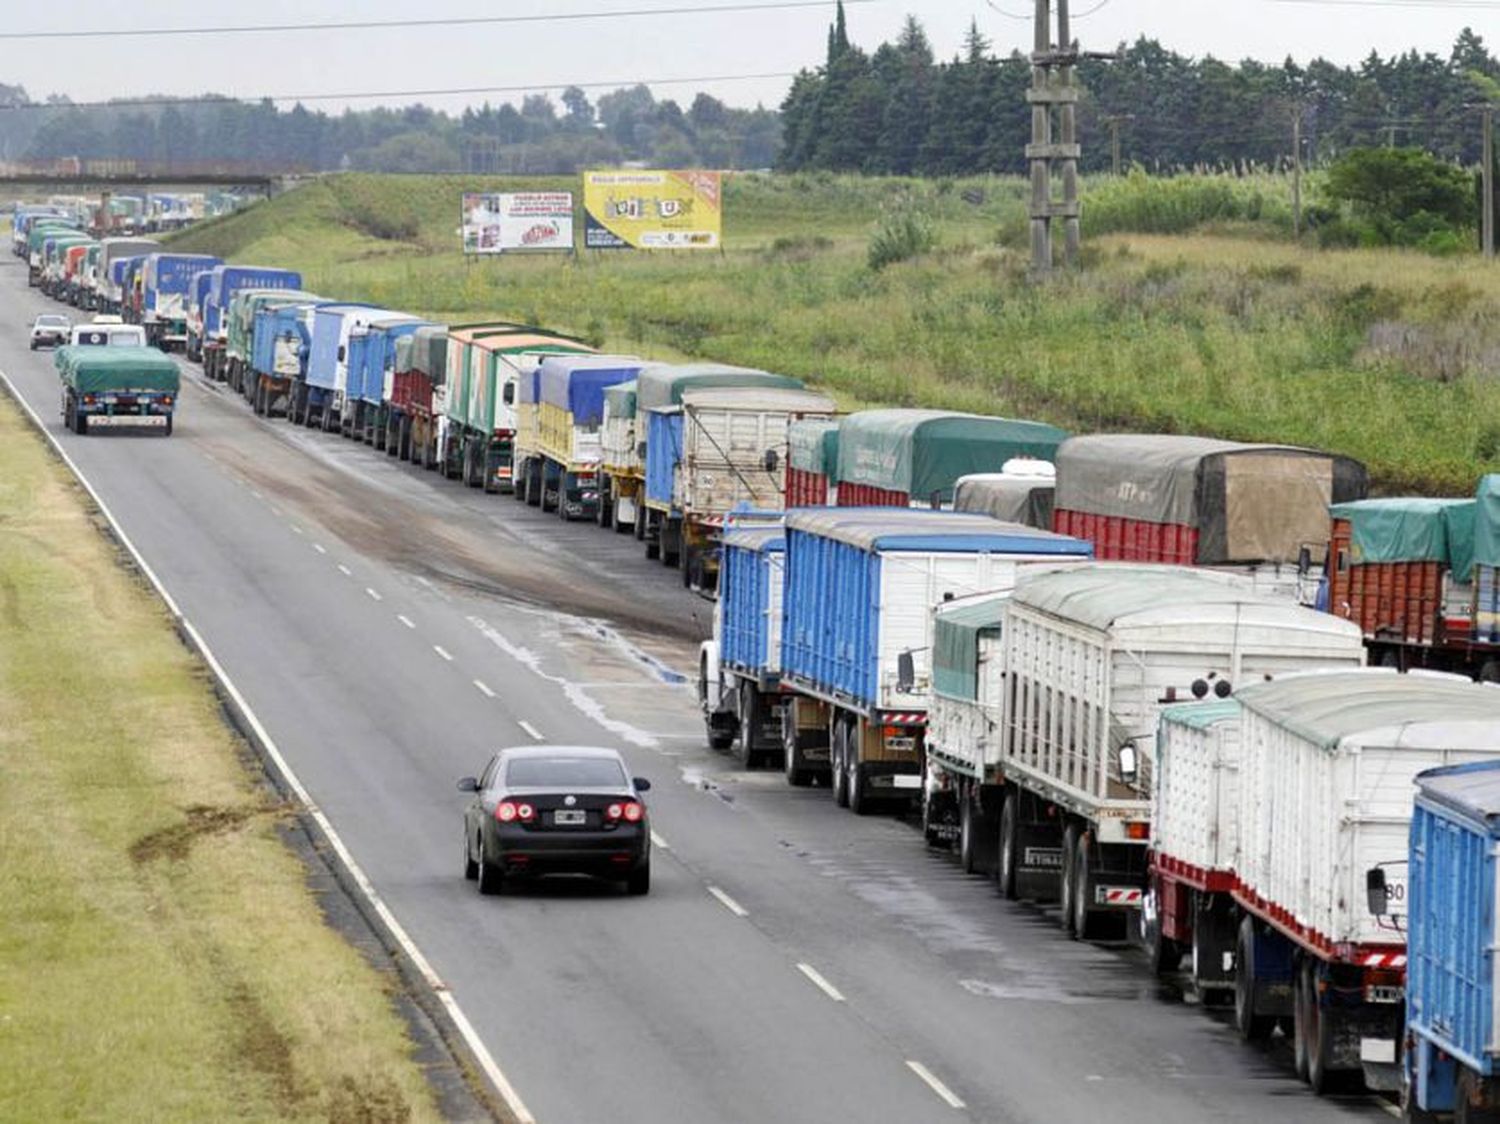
<point>49,330</point>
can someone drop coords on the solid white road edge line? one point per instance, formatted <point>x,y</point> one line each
<point>440,650</point>
<point>293,782</point>
<point>935,1085</point>
<point>823,985</point>
<point>407,621</point>
<point>729,903</point>
<point>530,729</point>
<point>484,688</point>
<point>658,841</point>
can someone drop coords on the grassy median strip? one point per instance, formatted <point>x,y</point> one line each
<point>161,954</point>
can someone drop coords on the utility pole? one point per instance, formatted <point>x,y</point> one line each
<point>1114,121</point>
<point>1297,172</point>
<point>1052,87</point>
<point>1488,180</point>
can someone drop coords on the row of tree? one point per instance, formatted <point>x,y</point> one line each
<point>538,136</point>
<point>899,110</point>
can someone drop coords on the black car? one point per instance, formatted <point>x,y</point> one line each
<point>556,809</point>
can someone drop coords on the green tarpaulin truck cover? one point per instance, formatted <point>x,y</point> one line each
<point>106,370</point>
<point>1411,529</point>
<point>956,630</point>
<point>813,445</point>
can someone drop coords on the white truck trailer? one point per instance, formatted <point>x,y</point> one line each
<point>1091,656</point>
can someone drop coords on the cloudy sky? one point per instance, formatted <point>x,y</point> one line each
<point>720,48</point>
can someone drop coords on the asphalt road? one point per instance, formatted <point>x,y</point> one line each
<point>793,962</point>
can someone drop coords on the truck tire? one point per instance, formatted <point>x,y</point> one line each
<point>1252,1027</point>
<point>1163,954</point>
<point>750,723</point>
<point>798,775</point>
<point>1301,1018</point>
<point>840,766</point>
<point>860,801</point>
<point>1468,1102</point>
<point>81,424</point>
<point>1010,834</point>
<point>167,429</point>
<point>968,832</point>
<point>1085,920</point>
<point>604,514</point>
<point>1069,876</point>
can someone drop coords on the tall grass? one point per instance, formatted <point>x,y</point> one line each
<point>1142,204</point>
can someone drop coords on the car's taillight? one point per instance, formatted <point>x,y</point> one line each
<point>627,810</point>
<point>509,810</point>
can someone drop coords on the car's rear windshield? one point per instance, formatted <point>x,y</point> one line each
<point>564,772</point>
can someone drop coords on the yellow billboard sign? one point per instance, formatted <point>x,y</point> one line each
<point>652,210</point>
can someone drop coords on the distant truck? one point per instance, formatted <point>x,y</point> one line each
<point>1450,910</point>
<point>239,334</point>
<point>280,340</point>
<point>117,387</point>
<point>855,677</point>
<point>224,282</point>
<point>812,459</point>
<point>166,281</point>
<point>1021,492</point>
<point>1260,510</point>
<point>320,395</point>
<point>415,395</point>
<point>111,295</point>
<point>621,467</point>
<point>1091,656</point>
<point>914,458</point>
<point>565,465</point>
<point>372,376</point>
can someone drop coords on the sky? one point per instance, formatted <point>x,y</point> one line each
<point>716,49</point>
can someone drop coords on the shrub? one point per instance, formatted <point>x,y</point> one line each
<point>903,233</point>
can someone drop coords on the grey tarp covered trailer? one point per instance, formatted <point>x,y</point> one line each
<point>1015,499</point>
<point>1248,502</point>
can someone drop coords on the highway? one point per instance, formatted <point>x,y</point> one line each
<point>792,963</point>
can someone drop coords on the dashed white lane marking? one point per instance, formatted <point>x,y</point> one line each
<point>729,903</point>
<point>256,494</point>
<point>484,688</point>
<point>947,1094</point>
<point>823,985</point>
<point>296,530</point>
<point>348,573</point>
<point>440,650</point>
<point>530,729</point>
<point>658,841</point>
<point>275,510</point>
<point>407,621</point>
<point>374,594</point>
<point>320,548</point>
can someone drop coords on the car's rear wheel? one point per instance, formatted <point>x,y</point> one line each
<point>490,876</point>
<point>471,868</point>
<point>640,881</point>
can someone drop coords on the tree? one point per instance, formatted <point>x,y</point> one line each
<point>580,114</point>
<point>1403,195</point>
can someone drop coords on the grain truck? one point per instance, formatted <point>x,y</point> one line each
<point>493,418</point>
<point>112,251</point>
<point>905,458</point>
<point>1091,656</point>
<point>280,342</point>
<point>565,465</point>
<point>1452,993</point>
<point>320,394</point>
<point>372,357</point>
<point>1327,768</point>
<point>117,388</point>
<point>621,470</point>
<point>1197,501</point>
<point>225,281</point>
<point>1022,492</point>
<point>416,393</point>
<point>166,282</point>
<point>239,333</point>
<point>856,638</point>
<point>812,458</point>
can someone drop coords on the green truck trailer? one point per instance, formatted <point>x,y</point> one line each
<point>117,388</point>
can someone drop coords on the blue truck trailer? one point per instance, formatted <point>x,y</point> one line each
<point>1451,943</point>
<point>854,679</point>
<point>225,281</point>
<point>280,340</point>
<point>164,292</point>
<point>372,369</point>
<point>318,397</point>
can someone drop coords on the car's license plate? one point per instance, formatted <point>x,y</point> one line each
<point>567,818</point>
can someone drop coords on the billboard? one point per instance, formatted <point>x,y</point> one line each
<point>651,210</point>
<point>529,220</point>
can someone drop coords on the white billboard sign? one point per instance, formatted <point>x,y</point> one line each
<point>521,221</point>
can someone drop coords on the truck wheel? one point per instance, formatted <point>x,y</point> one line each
<point>798,775</point>
<point>750,723</point>
<point>81,424</point>
<point>1083,916</point>
<point>1469,1100</point>
<point>1069,876</point>
<point>1162,953</point>
<point>1302,991</point>
<point>1010,814</point>
<point>968,845</point>
<point>167,429</point>
<point>1252,1027</point>
<point>859,789</point>
<point>840,768</point>
<point>1322,1033</point>
<point>604,513</point>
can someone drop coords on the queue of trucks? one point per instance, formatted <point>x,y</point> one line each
<point>1153,680</point>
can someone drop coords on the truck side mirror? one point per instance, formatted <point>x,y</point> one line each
<point>1130,764</point>
<point>1375,889</point>
<point>1304,561</point>
<point>770,460</point>
<point>906,672</point>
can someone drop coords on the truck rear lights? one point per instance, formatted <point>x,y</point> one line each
<point>508,811</point>
<point>1138,829</point>
<point>627,810</point>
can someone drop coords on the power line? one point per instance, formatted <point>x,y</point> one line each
<point>457,91</point>
<point>1435,5</point>
<point>453,21</point>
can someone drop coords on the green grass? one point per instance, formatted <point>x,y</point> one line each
<point>1391,357</point>
<point>161,956</point>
